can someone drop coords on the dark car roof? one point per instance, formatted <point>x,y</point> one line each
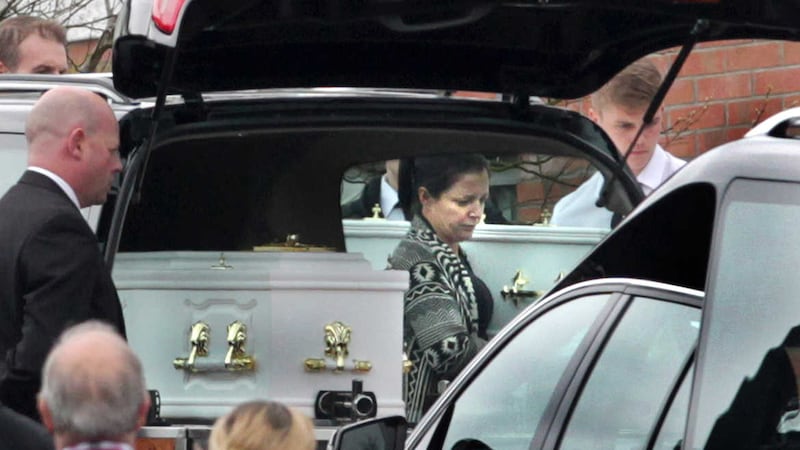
<point>555,48</point>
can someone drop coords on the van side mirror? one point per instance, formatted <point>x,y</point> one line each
<point>383,433</point>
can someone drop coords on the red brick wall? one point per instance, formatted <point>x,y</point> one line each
<point>724,89</point>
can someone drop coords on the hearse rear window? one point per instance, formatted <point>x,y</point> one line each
<point>517,251</point>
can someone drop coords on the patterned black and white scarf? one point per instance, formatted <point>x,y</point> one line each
<point>440,314</point>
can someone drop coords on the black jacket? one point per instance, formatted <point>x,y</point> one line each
<point>52,275</point>
<point>18,432</point>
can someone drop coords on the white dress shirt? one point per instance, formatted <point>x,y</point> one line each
<point>578,209</point>
<point>390,205</point>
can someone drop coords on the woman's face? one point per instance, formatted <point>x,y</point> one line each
<point>458,210</point>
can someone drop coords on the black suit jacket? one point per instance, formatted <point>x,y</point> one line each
<point>52,275</point>
<point>18,432</point>
<point>361,206</point>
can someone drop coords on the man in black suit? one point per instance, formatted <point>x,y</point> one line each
<point>52,274</point>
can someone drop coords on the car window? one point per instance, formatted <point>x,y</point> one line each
<point>504,404</point>
<point>749,363</point>
<point>13,159</point>
<point>670,435</point>
<point>525,188</point>
<point>632,379</point>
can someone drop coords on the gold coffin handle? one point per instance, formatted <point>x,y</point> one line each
<point>337,341</point>
<point>198,340</point>
<point>516,293</point>
<point>319,365</point>
<point>237,359</point>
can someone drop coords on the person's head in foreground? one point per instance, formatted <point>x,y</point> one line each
<point>262,425</point>
<point>93,388</point>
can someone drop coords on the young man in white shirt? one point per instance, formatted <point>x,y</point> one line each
<point>618,108</point>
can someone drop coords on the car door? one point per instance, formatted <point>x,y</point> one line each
<point>596,366</point>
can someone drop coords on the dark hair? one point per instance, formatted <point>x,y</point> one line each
<point>436,174</point>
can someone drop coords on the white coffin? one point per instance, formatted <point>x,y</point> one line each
<point>285,300</point>
<point>495,252</point>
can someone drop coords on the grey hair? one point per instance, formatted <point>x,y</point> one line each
<point>93,404</point>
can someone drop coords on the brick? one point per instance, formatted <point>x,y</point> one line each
<point>762,54</point>
<point>707,115</point>
<point>529,191</point>
<point>791,101</point>
<point>707,140</point>
<point>791,53</point>
<point>725,86</point>
<point>565,167</point>
<point>766,109</point>
<point>751,111</point>
<point>735,133</point>
<point>702,62</point>
<point>681,92</point>
<point>684,147</point>
<point>777,81</point>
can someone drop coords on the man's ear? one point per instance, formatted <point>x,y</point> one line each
<point>46,415</point>
<point>4,68</point>
<point>75,141</point>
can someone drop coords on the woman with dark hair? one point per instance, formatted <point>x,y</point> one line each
<point>446,306</point>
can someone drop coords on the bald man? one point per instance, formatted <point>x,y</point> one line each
<point>93,390</point>
<point>52,274</point>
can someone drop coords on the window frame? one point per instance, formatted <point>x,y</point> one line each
<point>429,431</point>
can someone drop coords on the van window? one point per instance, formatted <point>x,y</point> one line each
<point>13,159</point>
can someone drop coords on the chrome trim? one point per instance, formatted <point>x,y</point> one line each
<point>99,83</point>
<point>434,414</point>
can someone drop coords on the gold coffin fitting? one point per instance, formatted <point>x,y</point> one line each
<point>198,340</point>
<point>516,293</point>
<point>337,341</point>
<point>236,359</point>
